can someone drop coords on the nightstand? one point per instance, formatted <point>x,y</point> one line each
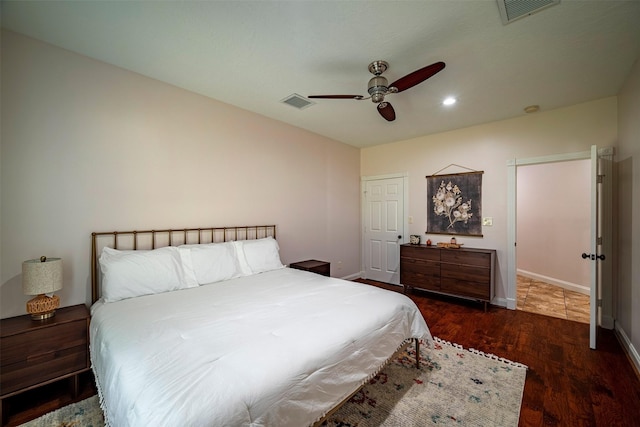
<point>314,266</point>
<point>34,353</point>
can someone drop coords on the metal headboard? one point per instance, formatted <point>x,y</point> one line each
<point>152,239</point>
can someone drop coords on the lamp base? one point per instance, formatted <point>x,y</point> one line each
<point>43,307</point>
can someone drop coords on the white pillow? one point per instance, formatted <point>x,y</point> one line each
<point>128,274</point>
<point>259,255</point>
<point>213,262</point>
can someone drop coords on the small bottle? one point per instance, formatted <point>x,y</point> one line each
<point>428,242</point>
<point>453,240</point>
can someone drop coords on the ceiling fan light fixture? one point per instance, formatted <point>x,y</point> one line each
<point>378,88</point>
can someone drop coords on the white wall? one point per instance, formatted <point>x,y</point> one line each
<point>87,146</point>
<point>488,147</point>
<point>628,223</point>
<point>553,211</point>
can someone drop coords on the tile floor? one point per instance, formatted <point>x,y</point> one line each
<point>539,297</point>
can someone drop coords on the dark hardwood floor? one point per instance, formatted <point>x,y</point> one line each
<point>567,383</point>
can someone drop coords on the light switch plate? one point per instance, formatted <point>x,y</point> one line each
<point>487,221</point>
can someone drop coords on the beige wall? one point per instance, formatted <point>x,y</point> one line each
<point>628,224</point>
<point>487,148</point>
<point>87,146</point>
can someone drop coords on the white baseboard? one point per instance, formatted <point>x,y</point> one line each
<point>628,346</point>
<point>556,282</point>
<point>504,302</point>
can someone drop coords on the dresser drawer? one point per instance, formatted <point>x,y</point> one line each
<point>420,280</point>
<point>454,256</point>
<point>420,252</point>
<point>412,265</point>
<point>466,272</point>
<point>481,291</point>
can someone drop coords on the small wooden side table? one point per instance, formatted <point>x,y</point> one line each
<point>38,352</point>
<point>314,266</point>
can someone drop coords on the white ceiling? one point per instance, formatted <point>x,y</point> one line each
<point>254,54</point>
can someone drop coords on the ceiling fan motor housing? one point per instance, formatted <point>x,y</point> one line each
<point>378,88</point>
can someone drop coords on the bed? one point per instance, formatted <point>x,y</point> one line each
<point>206,327</point>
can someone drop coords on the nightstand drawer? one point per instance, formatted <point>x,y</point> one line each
<point>43,367</point>
<point>36,344</point>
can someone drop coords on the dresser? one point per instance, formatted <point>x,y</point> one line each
<point>34,353</point>
<point>466,273</point>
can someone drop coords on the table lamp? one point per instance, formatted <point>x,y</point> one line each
<point>39,277</point>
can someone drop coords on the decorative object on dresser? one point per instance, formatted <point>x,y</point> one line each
<point>39,277</point>
<point>38,353</point>
<point>467,273</point>
<point>455,203</point>
<point>314,266</point>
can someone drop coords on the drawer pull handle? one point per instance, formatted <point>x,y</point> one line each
<point>38,358</point>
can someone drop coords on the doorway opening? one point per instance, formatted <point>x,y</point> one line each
<point>553,228</point>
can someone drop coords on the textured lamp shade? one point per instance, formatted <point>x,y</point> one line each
<point>39,277</point>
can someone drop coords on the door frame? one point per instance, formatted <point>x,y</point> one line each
<point>602,296</point>
<point>405,207</point>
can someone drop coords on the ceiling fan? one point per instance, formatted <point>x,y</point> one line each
<point>379,86</point>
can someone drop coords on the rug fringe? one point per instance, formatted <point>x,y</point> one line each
<point>482,353</point>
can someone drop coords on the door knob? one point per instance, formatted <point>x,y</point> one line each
<point>593,257</point>
<point>399,237</point>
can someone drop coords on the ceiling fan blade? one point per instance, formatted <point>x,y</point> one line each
<point>336,96</point>
<point>418,76</point>
<point>386,110</point>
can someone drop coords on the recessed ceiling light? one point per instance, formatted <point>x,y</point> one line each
<point>532,109</point>
<point>449,101</point>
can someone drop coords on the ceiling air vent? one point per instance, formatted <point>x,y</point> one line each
<point>297,101</point>
<point>510,10</point>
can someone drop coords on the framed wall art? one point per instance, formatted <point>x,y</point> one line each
<point>454,204</point>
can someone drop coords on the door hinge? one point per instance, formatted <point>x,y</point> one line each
<point>599,240</point>
<point>599,303</point>
<point>600,179</point>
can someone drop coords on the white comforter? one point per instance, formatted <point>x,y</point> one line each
<point>275,349</point>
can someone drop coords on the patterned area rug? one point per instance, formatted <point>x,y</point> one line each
<point>453,386</point>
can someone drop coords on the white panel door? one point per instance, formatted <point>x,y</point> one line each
<point>384,229</point>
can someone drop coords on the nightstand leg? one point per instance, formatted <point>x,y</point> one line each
<point>75,385</point>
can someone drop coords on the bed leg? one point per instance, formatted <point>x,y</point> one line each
<point>417,353</point>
